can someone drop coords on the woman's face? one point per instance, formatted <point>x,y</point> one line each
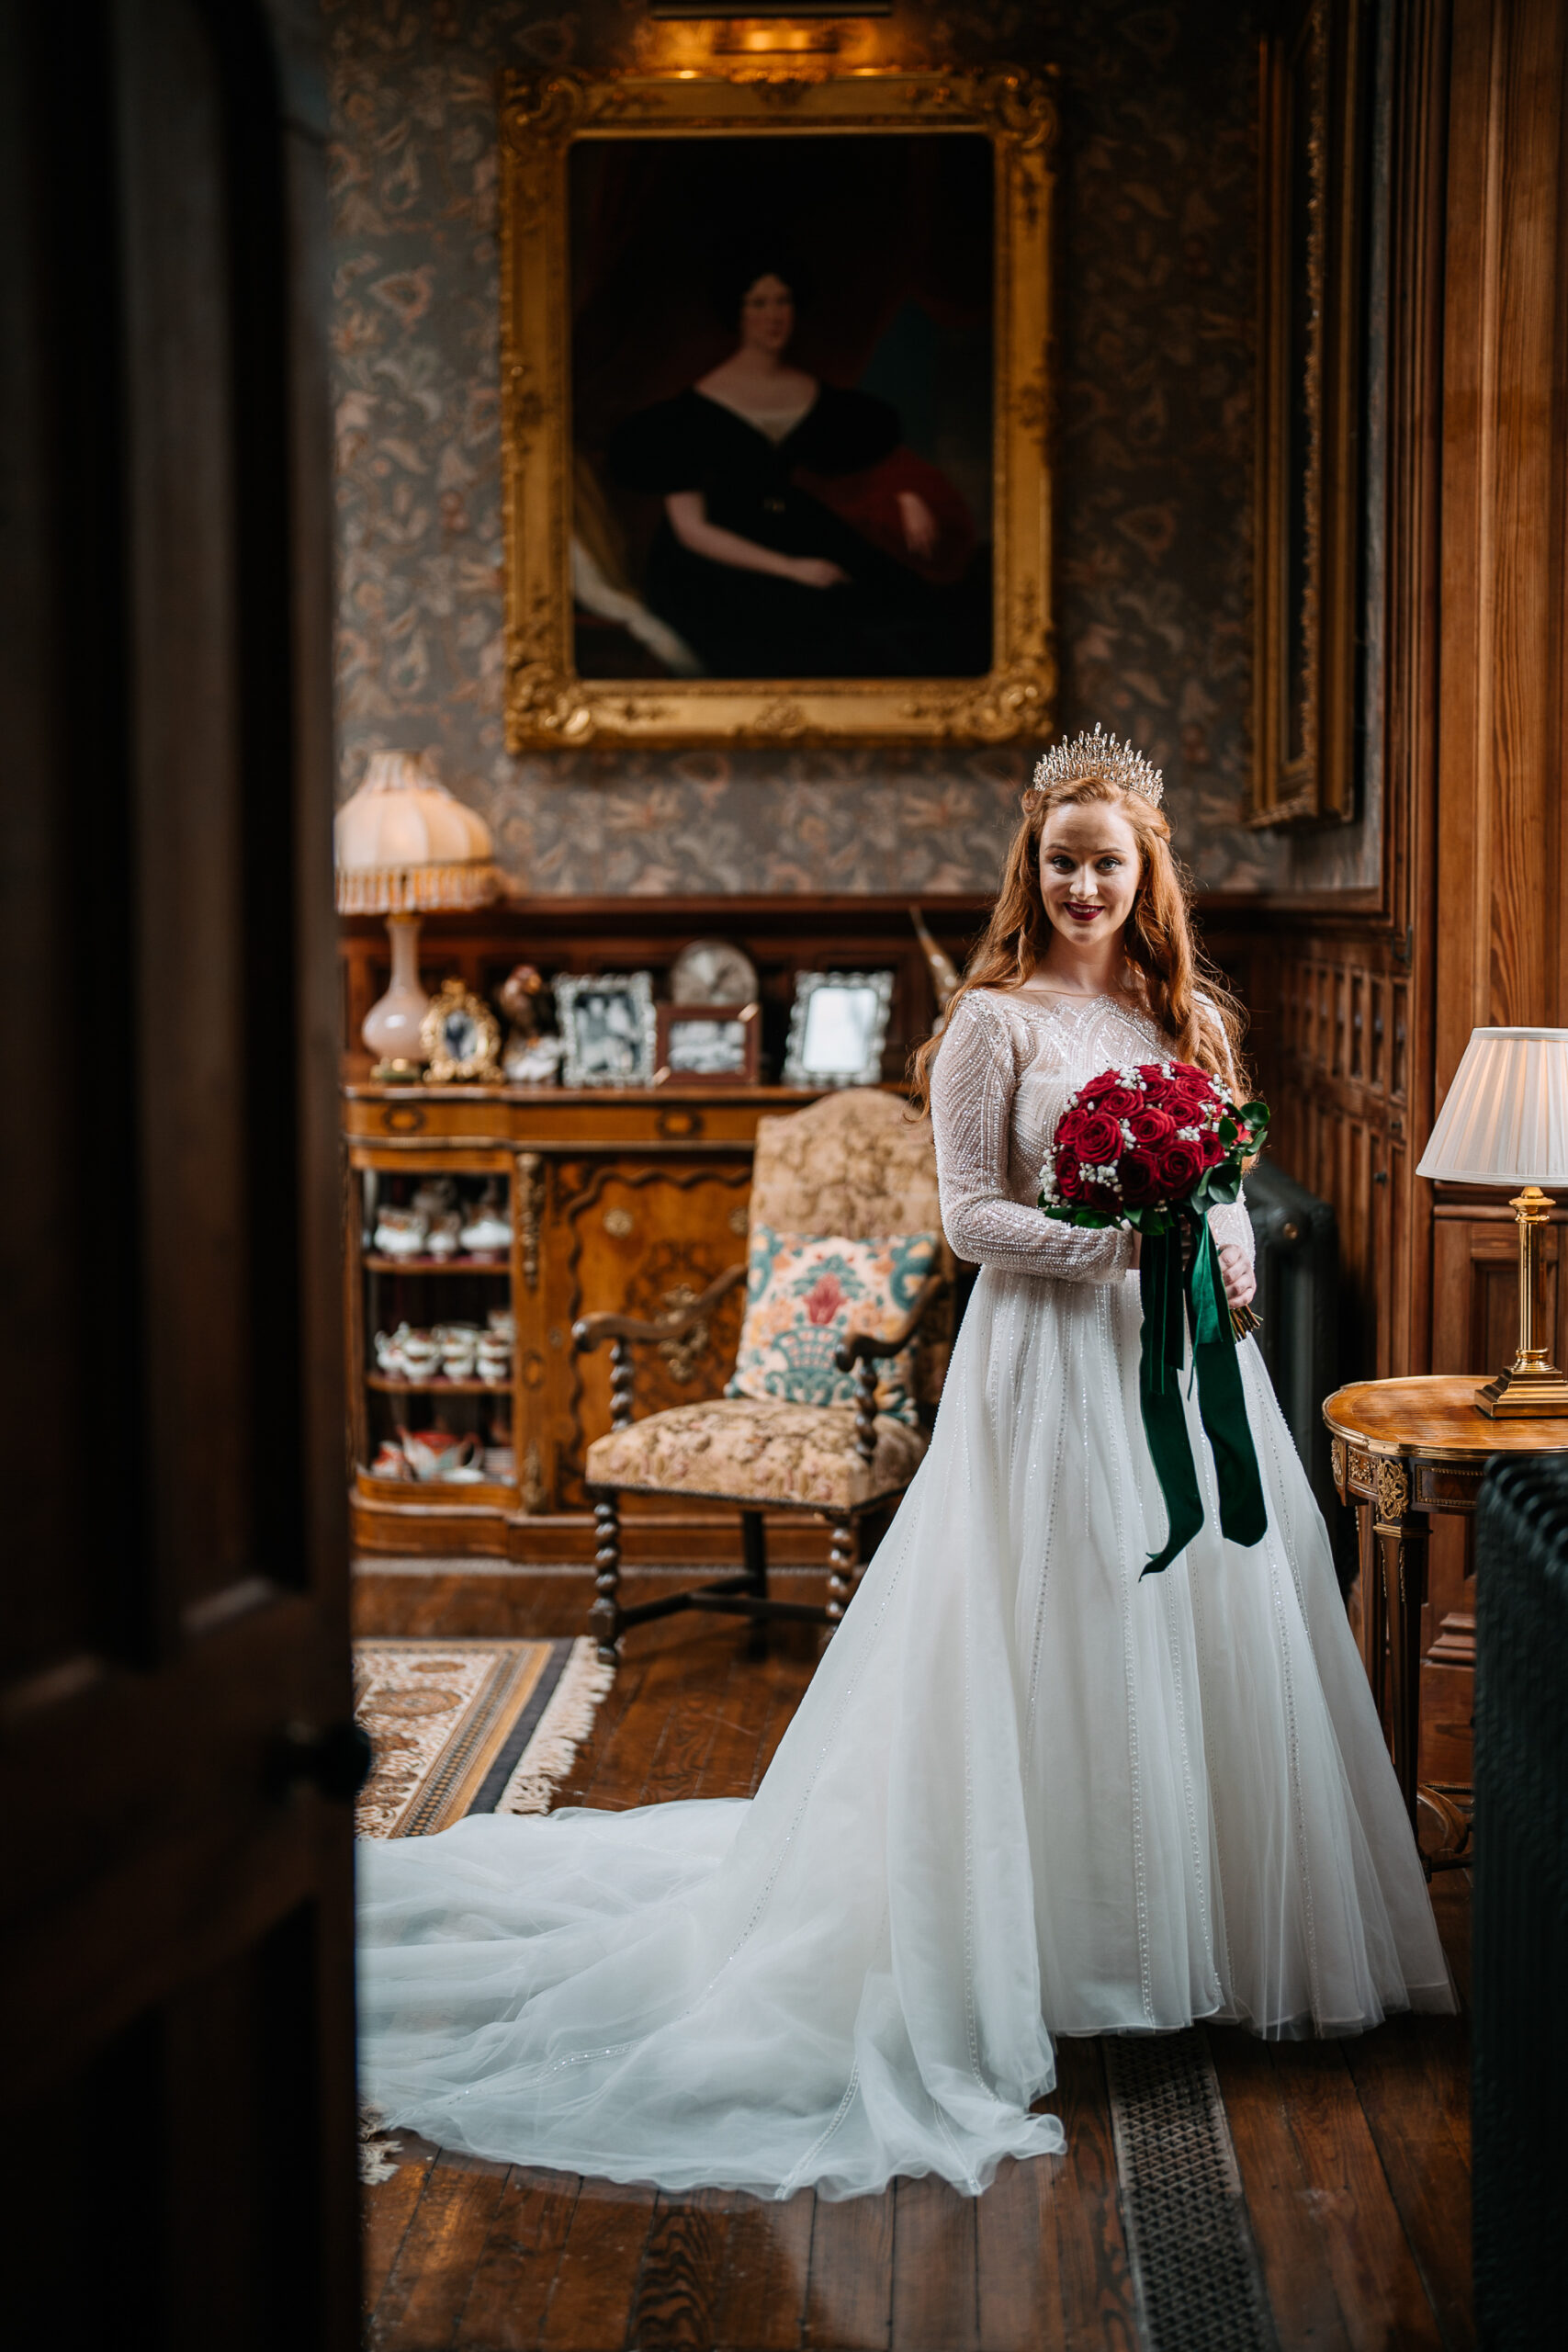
<point>1089,869</point>
<point>767,314</point>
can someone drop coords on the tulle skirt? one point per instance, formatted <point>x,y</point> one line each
<point>1026,1794</point>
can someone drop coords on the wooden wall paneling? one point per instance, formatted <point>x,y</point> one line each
<point>1500,762</point>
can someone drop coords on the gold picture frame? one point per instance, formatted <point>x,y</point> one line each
<point>549,705</point>
<point>1311,100</point>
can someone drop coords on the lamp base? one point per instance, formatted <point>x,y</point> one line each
<point>1524,1392</point>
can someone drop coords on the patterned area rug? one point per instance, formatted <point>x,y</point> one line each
<point>457,1727</point>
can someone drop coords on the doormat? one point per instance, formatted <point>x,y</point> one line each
<point>1189,2245</point>
<point>460,1727</point>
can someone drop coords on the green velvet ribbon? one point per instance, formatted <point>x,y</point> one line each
<point>1173,1301</point>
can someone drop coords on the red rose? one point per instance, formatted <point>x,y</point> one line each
<point>1070,1127</point>
<point>1070,1185</point>
<point>1098,1140</point>
<point>1140,1178</point>
<point>1152,1125</point>
<point>1120,1101</point>
<point>1212,1150</point>
<point>1180,1165</point>
<point>1193,1092</point>
<point>1152,1073</point>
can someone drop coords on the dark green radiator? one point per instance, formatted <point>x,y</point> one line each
<point>1520,2078</point>
<point>1298,1298</point>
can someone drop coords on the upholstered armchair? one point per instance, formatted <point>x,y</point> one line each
<point>856,1167</point>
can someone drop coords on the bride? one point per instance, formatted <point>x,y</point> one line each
<point>1027,1793</point>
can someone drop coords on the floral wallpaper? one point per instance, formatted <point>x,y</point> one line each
<point>1156,366</point>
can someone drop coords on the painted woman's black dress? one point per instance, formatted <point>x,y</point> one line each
<point>884,621</point>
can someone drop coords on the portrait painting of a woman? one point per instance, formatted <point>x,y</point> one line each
<point>804,505</point>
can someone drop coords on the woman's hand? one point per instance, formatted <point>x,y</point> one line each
<point>1235,1272</point>
<point>815,571</point>
<point>921,534</point>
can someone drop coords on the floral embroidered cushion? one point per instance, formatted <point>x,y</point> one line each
<point>805,1294</point>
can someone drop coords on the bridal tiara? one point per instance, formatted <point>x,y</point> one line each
<point>1101,755</point>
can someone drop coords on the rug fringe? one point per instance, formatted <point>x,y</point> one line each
<point>378,2151</point>
<point>565,1724</point>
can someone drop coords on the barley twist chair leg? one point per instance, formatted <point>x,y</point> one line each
<point>754,1543</point>
<point>843,1555</point>
<point>605,1614</point>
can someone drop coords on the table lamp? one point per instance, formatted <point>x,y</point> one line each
<point>404,847</point>
<point>1505,1121</point>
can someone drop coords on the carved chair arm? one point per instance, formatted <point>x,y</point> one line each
<point>859,1354</point>
<point>590,1329</point>
<point>621,1330</point>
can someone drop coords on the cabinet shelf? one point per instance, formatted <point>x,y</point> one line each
<point>436,1385</point>
<point>377,1261</point>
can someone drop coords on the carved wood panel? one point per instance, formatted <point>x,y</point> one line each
<point>643,1239</point>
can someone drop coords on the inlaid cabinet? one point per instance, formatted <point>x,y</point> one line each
<point>634,1199</point>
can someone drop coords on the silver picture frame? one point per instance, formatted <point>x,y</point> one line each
<point>837,1028</point>
<point>608,1027</point>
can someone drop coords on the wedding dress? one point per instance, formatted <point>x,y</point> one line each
<point>1026,1793</point>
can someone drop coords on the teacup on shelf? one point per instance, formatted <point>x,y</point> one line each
<point>390,1462</point>
<point>486,1234</point>
<point>388,1349</point>
<point>504,1323</point>
<point>494,1360</point>
<point>401,1233</point>
<point>456,1340</point>
<point>421,1353</point>
<point>443,1239</point>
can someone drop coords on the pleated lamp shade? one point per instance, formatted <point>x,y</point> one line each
<point>404,845</point>
<point>1505,1118</point>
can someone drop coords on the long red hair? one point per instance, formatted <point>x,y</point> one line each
<point>1185,997</point>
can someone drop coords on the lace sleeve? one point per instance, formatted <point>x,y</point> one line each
<point>1233,1224</point>
<point>972,1095</point>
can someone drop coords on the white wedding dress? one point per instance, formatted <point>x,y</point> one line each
<point>1026,1793</point>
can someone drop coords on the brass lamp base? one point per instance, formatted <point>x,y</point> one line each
<point>1532,1387</point>
<point>1524,1392</point>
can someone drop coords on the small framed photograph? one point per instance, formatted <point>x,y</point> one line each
<point>707,1044</point>
<point>837,1028</point>
<point>608,1024</point>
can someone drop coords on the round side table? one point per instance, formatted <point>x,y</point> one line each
<point>1400,1449</point>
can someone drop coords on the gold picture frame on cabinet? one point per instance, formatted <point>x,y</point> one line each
<point>558,531</point>
<point>1311,109</point>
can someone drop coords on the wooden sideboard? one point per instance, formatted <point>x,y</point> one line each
<point>634,1199</point>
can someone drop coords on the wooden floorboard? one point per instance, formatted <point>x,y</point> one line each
<point>760,2303</point>
<point>601,2262</point>
<point>1354,2157</point>
<point>441,2249</point>
<point>1097,2287</point>
<point>849,2292</point>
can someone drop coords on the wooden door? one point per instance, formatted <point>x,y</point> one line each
<point>176,2001</point>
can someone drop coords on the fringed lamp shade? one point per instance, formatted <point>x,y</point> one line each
<point>1505,1121</point>
<point>404,847</point>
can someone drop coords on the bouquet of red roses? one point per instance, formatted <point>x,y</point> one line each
<point>1153,1149</point>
